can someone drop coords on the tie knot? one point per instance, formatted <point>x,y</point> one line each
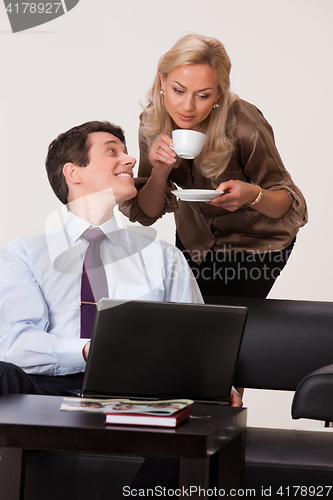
<point>93,235</point>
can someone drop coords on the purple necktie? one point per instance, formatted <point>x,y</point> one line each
<point>94,284</point>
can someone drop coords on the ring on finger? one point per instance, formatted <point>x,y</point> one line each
<point>158,147</point>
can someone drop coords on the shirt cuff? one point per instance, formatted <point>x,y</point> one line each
<point>70,356</point>
<point>233,389</point>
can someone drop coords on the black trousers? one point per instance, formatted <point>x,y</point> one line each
<point>238,273</point>
<point>13,380</point>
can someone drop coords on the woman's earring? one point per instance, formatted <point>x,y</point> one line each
<point>215,105</point>
<point>162,93</point>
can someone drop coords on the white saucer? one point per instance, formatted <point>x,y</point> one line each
<point>196,194</point>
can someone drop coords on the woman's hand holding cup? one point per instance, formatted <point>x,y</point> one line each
<point>162,155</point>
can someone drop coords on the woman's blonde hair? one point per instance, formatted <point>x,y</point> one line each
<point>196,49</point>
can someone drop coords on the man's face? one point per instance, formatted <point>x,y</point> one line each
<point>110,167</point>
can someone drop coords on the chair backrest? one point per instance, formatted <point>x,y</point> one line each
<point>284,340</point>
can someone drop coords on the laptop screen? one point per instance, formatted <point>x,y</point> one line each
<point>164,350</point>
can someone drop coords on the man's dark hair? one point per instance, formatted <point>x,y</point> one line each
<point>73,147</point>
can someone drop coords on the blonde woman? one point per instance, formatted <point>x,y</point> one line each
<point>238,243</point>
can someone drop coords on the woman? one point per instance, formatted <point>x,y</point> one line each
<point>238,243</point>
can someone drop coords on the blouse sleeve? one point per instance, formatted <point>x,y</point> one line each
<point>263,165</point>
<point>131,208</point>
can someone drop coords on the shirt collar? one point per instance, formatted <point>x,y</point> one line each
<point>76,226</point>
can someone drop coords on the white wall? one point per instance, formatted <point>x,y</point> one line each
<point>97,62</point>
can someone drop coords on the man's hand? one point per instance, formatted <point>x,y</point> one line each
<point>85,351</point>
<point>235,400</point>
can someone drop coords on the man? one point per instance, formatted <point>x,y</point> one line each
<point>42,346</point>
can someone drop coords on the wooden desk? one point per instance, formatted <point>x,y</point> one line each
<point>29,422</point>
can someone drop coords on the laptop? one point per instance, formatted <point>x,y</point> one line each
<point>160,350</point>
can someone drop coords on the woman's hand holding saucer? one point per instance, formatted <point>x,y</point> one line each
<point>236,194</point>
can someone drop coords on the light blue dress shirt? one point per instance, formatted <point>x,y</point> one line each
<point>40,286</point>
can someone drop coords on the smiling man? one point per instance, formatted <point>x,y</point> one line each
<point>46,316</point>
<point>42,310</point>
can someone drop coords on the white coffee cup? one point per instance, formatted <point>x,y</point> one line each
<point>187,143</point>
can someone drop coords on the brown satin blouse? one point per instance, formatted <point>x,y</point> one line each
<point>201,226</point>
